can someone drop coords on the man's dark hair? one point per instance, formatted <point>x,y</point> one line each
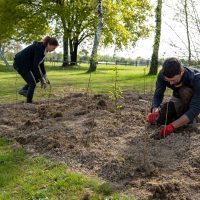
<point>171,67</point>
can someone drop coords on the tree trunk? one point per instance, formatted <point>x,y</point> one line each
<point>73,52</point>
<point>3,58</point>
<point>188,33</point>
<point>65,41</point>
<point>154,58</point>
<point>65,51</point>
<point>93,59</point>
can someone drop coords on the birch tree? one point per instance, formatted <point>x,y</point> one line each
<point>154,58</point>
<point>187,19</point>
<point>93,59</point>
<point>187,30</point>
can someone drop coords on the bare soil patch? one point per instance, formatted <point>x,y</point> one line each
<point>88,135</point>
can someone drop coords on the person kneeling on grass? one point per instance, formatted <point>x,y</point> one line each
<point>29,63</point>
<point>184,104</point>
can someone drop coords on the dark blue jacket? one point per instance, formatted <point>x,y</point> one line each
<point>191,78</point>
<point>29,60</point>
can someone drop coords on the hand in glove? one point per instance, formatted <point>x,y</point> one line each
<point>153,117</point>
<point>43,83</point>
<point>166,130</point>
<point>46,79</point>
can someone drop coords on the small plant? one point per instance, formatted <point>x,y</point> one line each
<point>116,92</point>
<point>92,122</point>
<point>145,147</point>
<point>88,89</point>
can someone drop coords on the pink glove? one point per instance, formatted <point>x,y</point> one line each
<point>153,117</point>
<point>166,130</point>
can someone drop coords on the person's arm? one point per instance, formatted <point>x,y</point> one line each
<point>157,99</point>
<point>183,120</point>
<point>43,71</point>
<point>38,56</point>
<point>159,93</point>
<point>42,68</point>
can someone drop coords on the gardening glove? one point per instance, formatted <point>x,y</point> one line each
<point>166,130</point>
<point>46,79</point>
<point>153,117</point>
<point>43,83</point>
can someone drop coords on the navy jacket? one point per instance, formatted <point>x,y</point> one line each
<point>191,78</point>
<point>29,60</point>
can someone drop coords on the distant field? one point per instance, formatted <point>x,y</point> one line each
<point>76,79</point>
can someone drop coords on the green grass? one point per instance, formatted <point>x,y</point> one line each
<point>22,177</point>
<point>76,79</point>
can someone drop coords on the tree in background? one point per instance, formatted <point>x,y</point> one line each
<point>83,54</point>
<point>187,30</point>
<point>154,58</point>
<point>8,19</point>
<point>75,21</point>
<point>124,22</point>
<point>93,59</point>
<point>188,20</point>
<point>20,21</point>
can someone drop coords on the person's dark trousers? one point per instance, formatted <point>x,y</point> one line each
<point>176,107</point>
<point>25,87</point>
<point>31,82</point>
<point>167,113</point>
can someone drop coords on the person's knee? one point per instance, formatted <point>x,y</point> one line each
<point>32,85</point>
<point>185,94</point>
<point>167,113</point>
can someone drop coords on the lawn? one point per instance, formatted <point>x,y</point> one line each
<point>36,178</point>
<point>76,79</point>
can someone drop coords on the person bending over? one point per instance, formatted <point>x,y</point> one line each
<point>184,104</point>
<point>29,63</point>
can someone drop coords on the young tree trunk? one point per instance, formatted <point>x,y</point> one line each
<point>93,59</point>
<point>65,43</point>
<point>73,52</point>
<point>65,51</point>
<point>154,58</point>
<point>3,58</point>
<point>187,31</point>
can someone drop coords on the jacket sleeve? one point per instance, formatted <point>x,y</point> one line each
<point>159,91</point>
<point>194,106</point>
<point>38,56</point>
<point>42,68</point>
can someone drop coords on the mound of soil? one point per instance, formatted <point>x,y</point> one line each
<point>91,136</point>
